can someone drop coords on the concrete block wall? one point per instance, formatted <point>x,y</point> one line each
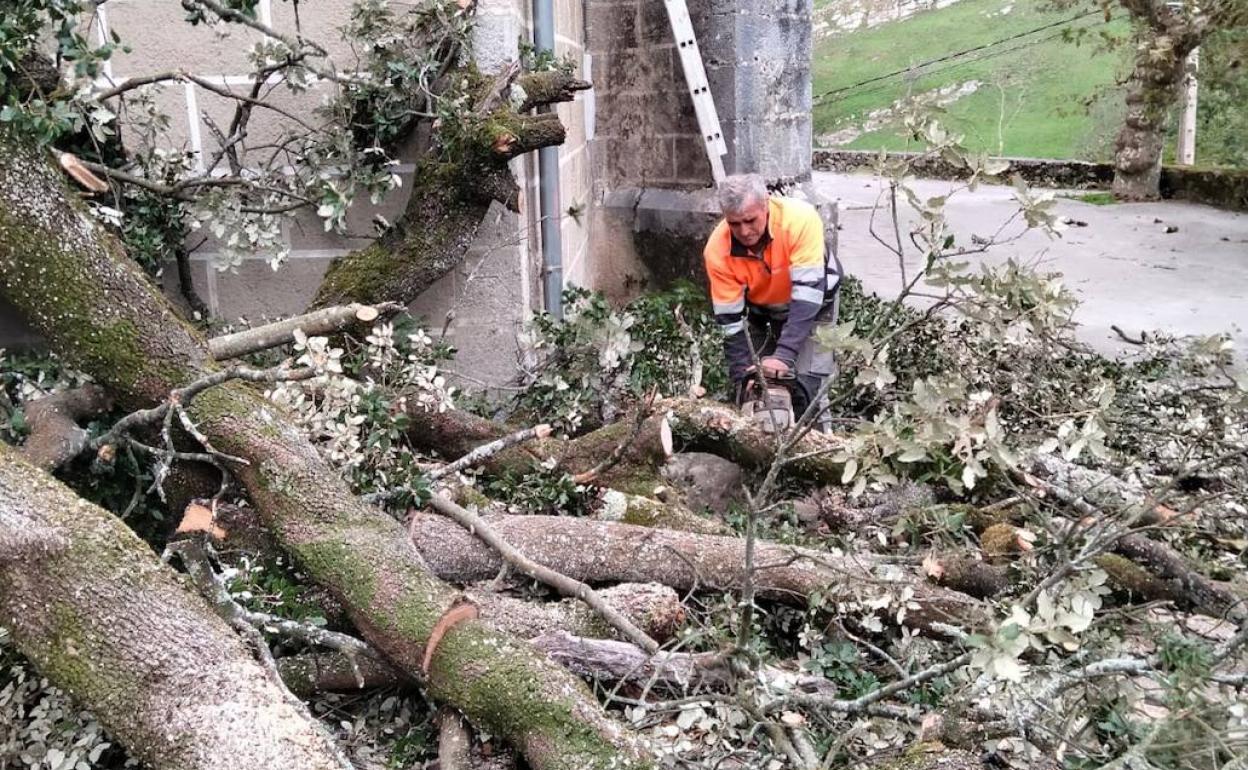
<point>484,304</point>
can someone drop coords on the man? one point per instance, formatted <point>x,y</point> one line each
<point>771,277</point>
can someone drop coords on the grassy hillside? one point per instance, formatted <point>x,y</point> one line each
<point>1038,95</point>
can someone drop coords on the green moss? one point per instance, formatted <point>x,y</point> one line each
<point>1095,198</point>
<point>510,692</point>
<point>53,261</point>
<point>339,564</point>
<point>45,282</point>
<point>1130,578</point>
<point>422,245</point>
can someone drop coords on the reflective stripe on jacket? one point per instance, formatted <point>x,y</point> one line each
<point>790,280</point>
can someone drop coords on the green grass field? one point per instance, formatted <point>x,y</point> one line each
<point>1040,95</point>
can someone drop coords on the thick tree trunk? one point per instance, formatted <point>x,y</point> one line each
<point>695,425</point>
<point>103,619</point>
<point>598,552</point>
<point>1167,34</point>
<point>74,284</point>
<point>1151,92</point>
<point>455,433</point>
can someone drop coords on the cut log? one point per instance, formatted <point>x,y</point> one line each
<point>654,608</point>
<point>599,552</point>
<point>967,575</point>
<point>55,437</point>
<point>74,284</point>
<point>314,672</point>
<point>719,429</point>
<point>453,434</point>
<point>100,617</point>
<point>316,323</point>
<point>694,425</point>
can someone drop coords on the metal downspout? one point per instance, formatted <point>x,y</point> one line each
<point>548,179</point>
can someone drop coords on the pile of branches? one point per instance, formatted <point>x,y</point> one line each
<point>1010,550</point>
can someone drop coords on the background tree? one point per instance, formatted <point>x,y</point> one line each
<point>1166,34</point>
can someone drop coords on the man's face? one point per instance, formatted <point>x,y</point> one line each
<point>748,224</point>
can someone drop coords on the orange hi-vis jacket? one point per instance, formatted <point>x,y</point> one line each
<point>788,282</point>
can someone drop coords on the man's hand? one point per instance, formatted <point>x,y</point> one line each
<point>774,367</point>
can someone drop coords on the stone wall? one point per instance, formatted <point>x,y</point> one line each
<point>483,304</point>
<point>1225,188</point>
<point>757,59</point>
<point>653,206</point>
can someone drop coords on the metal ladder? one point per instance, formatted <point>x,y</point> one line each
<point>695,78</point>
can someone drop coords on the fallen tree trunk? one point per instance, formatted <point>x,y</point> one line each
<point>693,424</point>
<point>706,426</point>
<point>455,433</point>
<point>1178,580</point>
<point>103,619</point>
<point>74,284</point>
<point>600,552</point>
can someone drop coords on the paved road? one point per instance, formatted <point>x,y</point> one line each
<point>1123,265</point>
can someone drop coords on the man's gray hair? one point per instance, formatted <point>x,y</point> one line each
<point>737,192</point>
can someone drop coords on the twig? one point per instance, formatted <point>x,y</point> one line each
<point>195,557</point>
<point>562,583</point>
<point>183,396</point>
<point>486,451</point>
<point>1141,340</point>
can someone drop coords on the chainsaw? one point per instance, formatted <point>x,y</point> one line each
<point>771,403</point>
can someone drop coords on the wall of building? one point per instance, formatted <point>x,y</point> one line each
<point>482,305</point>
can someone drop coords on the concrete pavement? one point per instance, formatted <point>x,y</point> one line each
<point>1123,265</point>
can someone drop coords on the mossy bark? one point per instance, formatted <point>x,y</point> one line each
<point>98,614</point>
<point>1166,37</point>
<point>74,284</point>
<point>452,191</point>
<point>719,429</point>
<point>427,242</point>
<point>548,87</point>
<point>453,434</point>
